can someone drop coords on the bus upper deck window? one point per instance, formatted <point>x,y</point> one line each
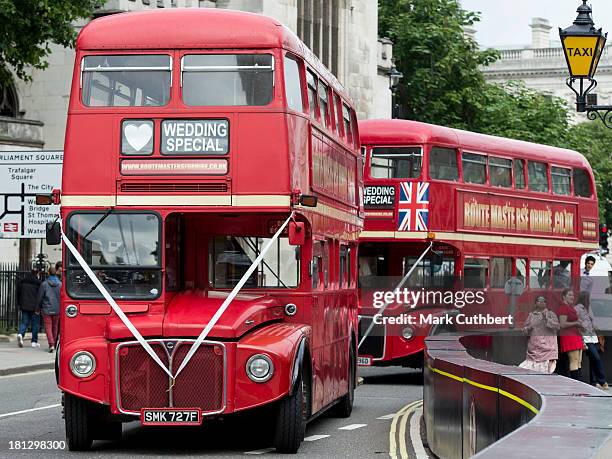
<point>582,183</point>
<point>396,162</point>
<point>443,164</point>
<point>293,85</point>
<point>324,105</point>
<point>500,171</point>
<point>519,174</point>
<point>227,79</point>
<point>538,178</point>
<point>311,82</point>
<point>561,180</point>
<point>474,168</point>
<point>348,131</point>
<point>126,80</point>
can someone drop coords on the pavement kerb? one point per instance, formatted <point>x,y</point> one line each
<point>27,368</point>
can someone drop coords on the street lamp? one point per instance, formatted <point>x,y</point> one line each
<point>583,45</point>
<point>394,78</point>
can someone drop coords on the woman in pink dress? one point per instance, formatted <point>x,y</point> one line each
<point>542,326</point>
<point>570,338</point>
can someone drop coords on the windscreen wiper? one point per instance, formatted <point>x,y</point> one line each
<point>102,218</point>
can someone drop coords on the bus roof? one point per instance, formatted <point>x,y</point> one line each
<point>196,28</point>
<point>389,132</point>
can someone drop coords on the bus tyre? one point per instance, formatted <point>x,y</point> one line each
<point>79,423</point>
<point>344,408</point>
<point>291,420</point>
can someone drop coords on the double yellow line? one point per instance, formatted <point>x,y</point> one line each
<point>401,418</point>
<point>502,392</point>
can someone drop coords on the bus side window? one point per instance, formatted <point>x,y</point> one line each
<point>519,174</point>
<point>324,105</point>
<point>355,129</point>
<point>338,117</point>
<point>474,168</point>
<point>312,94</point>
<point>562,273</point>
<point>443,164</point>
<point>582,183</point>
<point>344,277</point>
<point>317,264</point>
<point>475,272</point>
<point>521,270</point>
<point>348,130</point>
<point>538,177</point>
<point>501,271</point>
<point>561,180</point>
<point>539,274</point>
<point>293,84</point>
<point>500,172</point>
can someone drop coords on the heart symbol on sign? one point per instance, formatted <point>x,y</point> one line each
<point>138,136</point>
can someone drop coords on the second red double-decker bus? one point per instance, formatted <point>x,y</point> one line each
<point>481,210</point>
<point>211,190</point>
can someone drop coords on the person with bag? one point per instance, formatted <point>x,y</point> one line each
<point>589,336</point>
<point>49,305</point>
<point>542,326</point>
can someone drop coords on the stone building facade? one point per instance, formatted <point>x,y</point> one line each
<point>342,33</point>
<point>542,66</point>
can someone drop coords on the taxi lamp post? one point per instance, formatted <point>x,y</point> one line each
<point>583,45</point>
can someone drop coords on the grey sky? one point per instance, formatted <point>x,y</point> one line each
<point>506,22</point>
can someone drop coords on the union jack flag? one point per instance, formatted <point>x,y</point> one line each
<point>413,206</point>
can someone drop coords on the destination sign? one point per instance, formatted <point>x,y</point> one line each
<point>379,197</point>
<point>194,137</point>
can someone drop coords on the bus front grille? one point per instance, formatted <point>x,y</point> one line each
<point>142,383</point>
<point>374,344</point>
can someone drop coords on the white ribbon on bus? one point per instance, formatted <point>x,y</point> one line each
<point>396,289</point>
<point>130,326</point>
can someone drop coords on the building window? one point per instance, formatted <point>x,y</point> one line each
<point>394,162</point>
<point>582,183</point>
<point>538,179</point>
<point>8,101</point>
<point>474,168</point>
<point>500,171</point>
<point>561,180</point>
<point>443,164</point>
<point>318,28</point>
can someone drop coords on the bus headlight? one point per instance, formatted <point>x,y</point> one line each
<point>259,368</point>
<point>407,333</point>
<point>82,364</point>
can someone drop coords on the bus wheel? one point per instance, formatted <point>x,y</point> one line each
<point>79,423</point>
<point>291,419</point>
<point>344,408</point>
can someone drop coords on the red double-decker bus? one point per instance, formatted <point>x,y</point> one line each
<point>211,179</point>
<point>480,210</point>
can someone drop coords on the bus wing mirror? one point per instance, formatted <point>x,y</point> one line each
<point>44,199</point>
<point>297,233</point>
<point>53,234</point>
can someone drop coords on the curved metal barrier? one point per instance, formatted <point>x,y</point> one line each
<point>474,407</point>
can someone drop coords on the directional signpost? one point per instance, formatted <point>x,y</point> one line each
<point>23,175</point>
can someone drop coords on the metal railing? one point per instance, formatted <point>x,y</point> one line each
<point>10,275</point>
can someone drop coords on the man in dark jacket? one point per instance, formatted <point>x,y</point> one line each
<point>49,305</point>
<point>27,291</point>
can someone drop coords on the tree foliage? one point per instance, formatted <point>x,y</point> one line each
<point>28,26</point>
<point>442,83</point>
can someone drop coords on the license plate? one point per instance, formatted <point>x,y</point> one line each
<point>364,361</point>
<point>171,416</point>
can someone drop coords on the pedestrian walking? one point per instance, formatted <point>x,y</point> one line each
<point>589,336</point>
<point>27,295</point>
<point>570,338</point>
<point>49,304</point>
<point>542,326</point>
